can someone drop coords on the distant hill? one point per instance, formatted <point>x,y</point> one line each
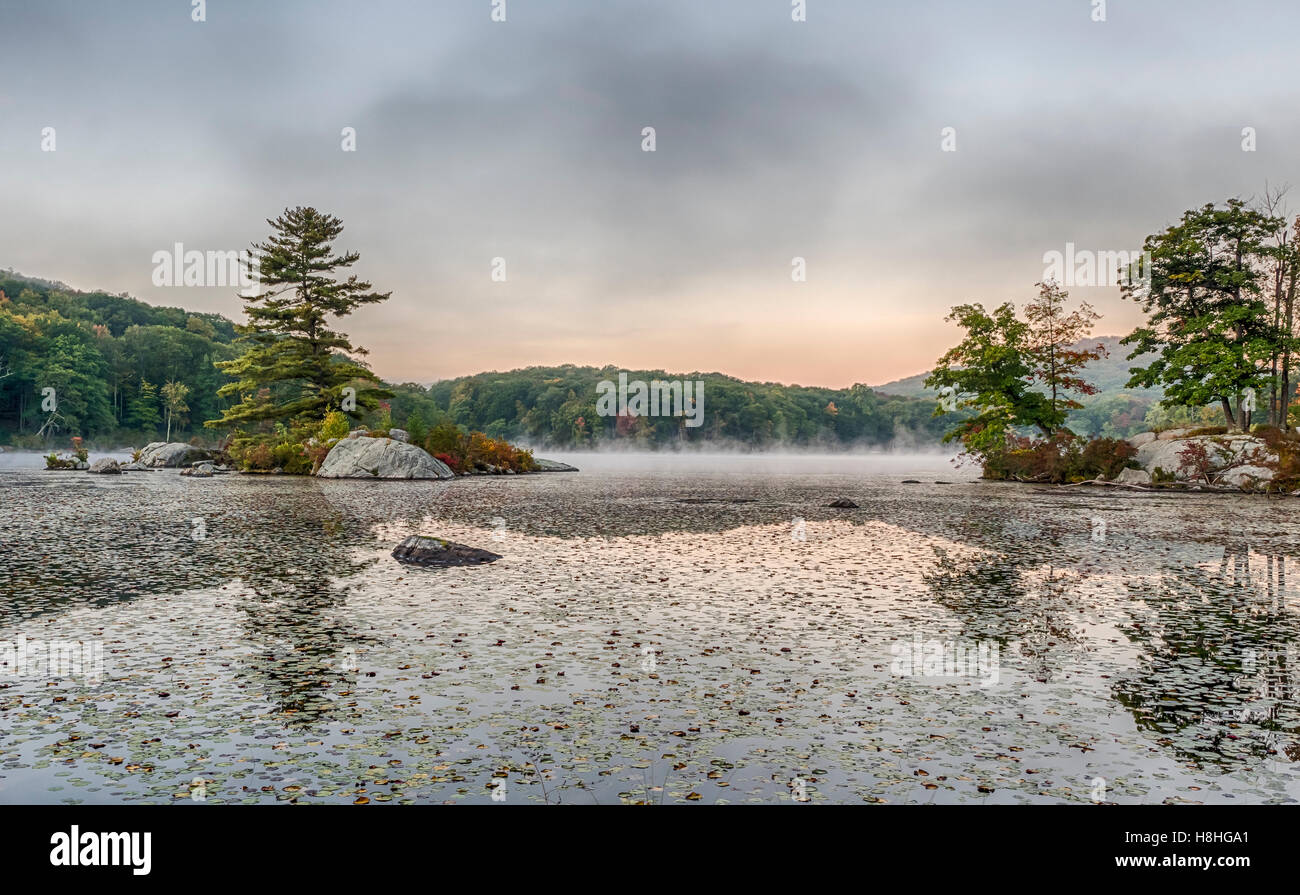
<point>1109,374</point>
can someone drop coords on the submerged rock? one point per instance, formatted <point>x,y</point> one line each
<point>162,454</point>
<point>105,466</point>
<point>553,466</point>
<point>843,504</point>
<point>380,458</point>
<point>426,551</point>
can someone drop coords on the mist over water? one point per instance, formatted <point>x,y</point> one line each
<point>878,464</point>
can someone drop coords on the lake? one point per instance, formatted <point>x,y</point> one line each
<point>661,628</point>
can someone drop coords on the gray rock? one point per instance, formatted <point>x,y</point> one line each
<point>105,466</point>
<point>199,471</point>
<point>160,454</point>
<point>358,432</point>
<point>1248,478</point>
<point>843,503</point>
<point>1164,454</point>
<point>400,435</point>
<point>437,552</point>
<point>1133,477</point>
<point>1142,438</point>
<point>553,466</point>
<point>380,458</point>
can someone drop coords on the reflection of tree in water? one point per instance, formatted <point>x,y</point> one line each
<point>1012,598</point>
<point>1217,680</point>
<point>301,653</point>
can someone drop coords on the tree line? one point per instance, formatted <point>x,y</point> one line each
<point>129,372</point>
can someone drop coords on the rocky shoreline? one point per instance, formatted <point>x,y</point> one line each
<point>358,456</point>
<point>1183,460</point>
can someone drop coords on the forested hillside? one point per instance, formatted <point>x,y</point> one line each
<point>107,358</point>
<point>557,406</point>
<point>110,357</point>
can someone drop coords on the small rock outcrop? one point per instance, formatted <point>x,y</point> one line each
<point>105,466</point>
<point>427,551</point>
<point>380,458</point>
<point>1133,477</point>
<point>400,435</point>
<point>553,466</point>
<point>843,504</point>
<point>199,471</point>
<point>162,454</point>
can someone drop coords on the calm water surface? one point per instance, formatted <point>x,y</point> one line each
<point>660,629</point>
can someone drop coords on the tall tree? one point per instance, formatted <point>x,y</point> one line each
<point>1207,319</point>
<point>174,394</point>
<point>992,372</point>
<point>292,351</point>
<point>1282,268</point>
<point>1052,343</point>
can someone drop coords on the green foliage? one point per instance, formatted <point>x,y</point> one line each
<point>294,367</point>
<point>335,426</point>
<point>1207,318</point>
<point>103,355</point>
<point>991,372</point>
<point>556,407</point>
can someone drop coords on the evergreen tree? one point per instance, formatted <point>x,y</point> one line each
<point>143,411</point>
<point>292,351</point>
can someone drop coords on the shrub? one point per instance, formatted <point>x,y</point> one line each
<point>292,458</point>
<point>336,425</point>
<point>1063,458</point>
<point>1106,457</point>
<point>1194,462</point>
<point>54,461</point>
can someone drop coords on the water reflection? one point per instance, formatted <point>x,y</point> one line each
<point>1216,680</point>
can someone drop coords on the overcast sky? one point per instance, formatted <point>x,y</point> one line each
<point>523,140</point>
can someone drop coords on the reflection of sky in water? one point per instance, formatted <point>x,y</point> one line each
<point>654,632</point>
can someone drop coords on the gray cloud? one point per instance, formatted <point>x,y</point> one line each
<point>522,140</point>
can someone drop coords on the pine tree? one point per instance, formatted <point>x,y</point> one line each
<point>292,351</point>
